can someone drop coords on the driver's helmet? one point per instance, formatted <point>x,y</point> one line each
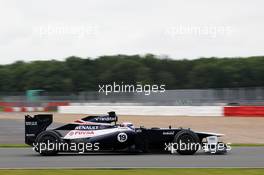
<point>128,124</point>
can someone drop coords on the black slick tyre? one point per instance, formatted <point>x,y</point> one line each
<point>187,142</point>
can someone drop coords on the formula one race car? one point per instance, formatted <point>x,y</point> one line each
<point>102,133</point>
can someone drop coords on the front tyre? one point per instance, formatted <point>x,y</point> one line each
<point>187,142</point>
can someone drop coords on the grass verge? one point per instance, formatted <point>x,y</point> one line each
<point>247,144</point>
<point>13,146</point>
<point>25,146</point>
<point>185,171</point>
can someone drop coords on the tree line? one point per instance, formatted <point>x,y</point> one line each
<point>77,74</point>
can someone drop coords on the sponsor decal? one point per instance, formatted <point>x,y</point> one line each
<point>107,119</point>
<point>74,134</point>
<point>138,130</point>
<point>81,133</point>
<point>31,123</point>
<point>86,127</point>
<point>168,133</point>
<point>71,133</point>
<point>122,137</point>
<point>30,135</point>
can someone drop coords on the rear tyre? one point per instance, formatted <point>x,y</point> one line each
<point>47,143</point>
<point>187,142</point>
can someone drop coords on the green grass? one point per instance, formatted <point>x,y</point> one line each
<point>247,144</point>
<point>185,171</point>
<point>24,145</point>
<point>13,146</point>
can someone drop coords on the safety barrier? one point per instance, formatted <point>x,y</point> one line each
<point>245,111</point>
<point>31,107</point>
<point>137,109</point>
<point>24,109</point>
<point>226,111</point>
<point>145,110</point>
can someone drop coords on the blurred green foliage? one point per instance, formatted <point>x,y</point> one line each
<point>78,74</point>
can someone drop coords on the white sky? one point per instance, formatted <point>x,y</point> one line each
<point>55,29</point>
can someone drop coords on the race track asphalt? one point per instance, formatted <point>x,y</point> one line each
<point>27,158</point>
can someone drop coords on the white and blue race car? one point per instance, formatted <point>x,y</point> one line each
<point>103,133</point>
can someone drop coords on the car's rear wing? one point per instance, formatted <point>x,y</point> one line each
<point>35,125</point>
<point>111,117</point>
